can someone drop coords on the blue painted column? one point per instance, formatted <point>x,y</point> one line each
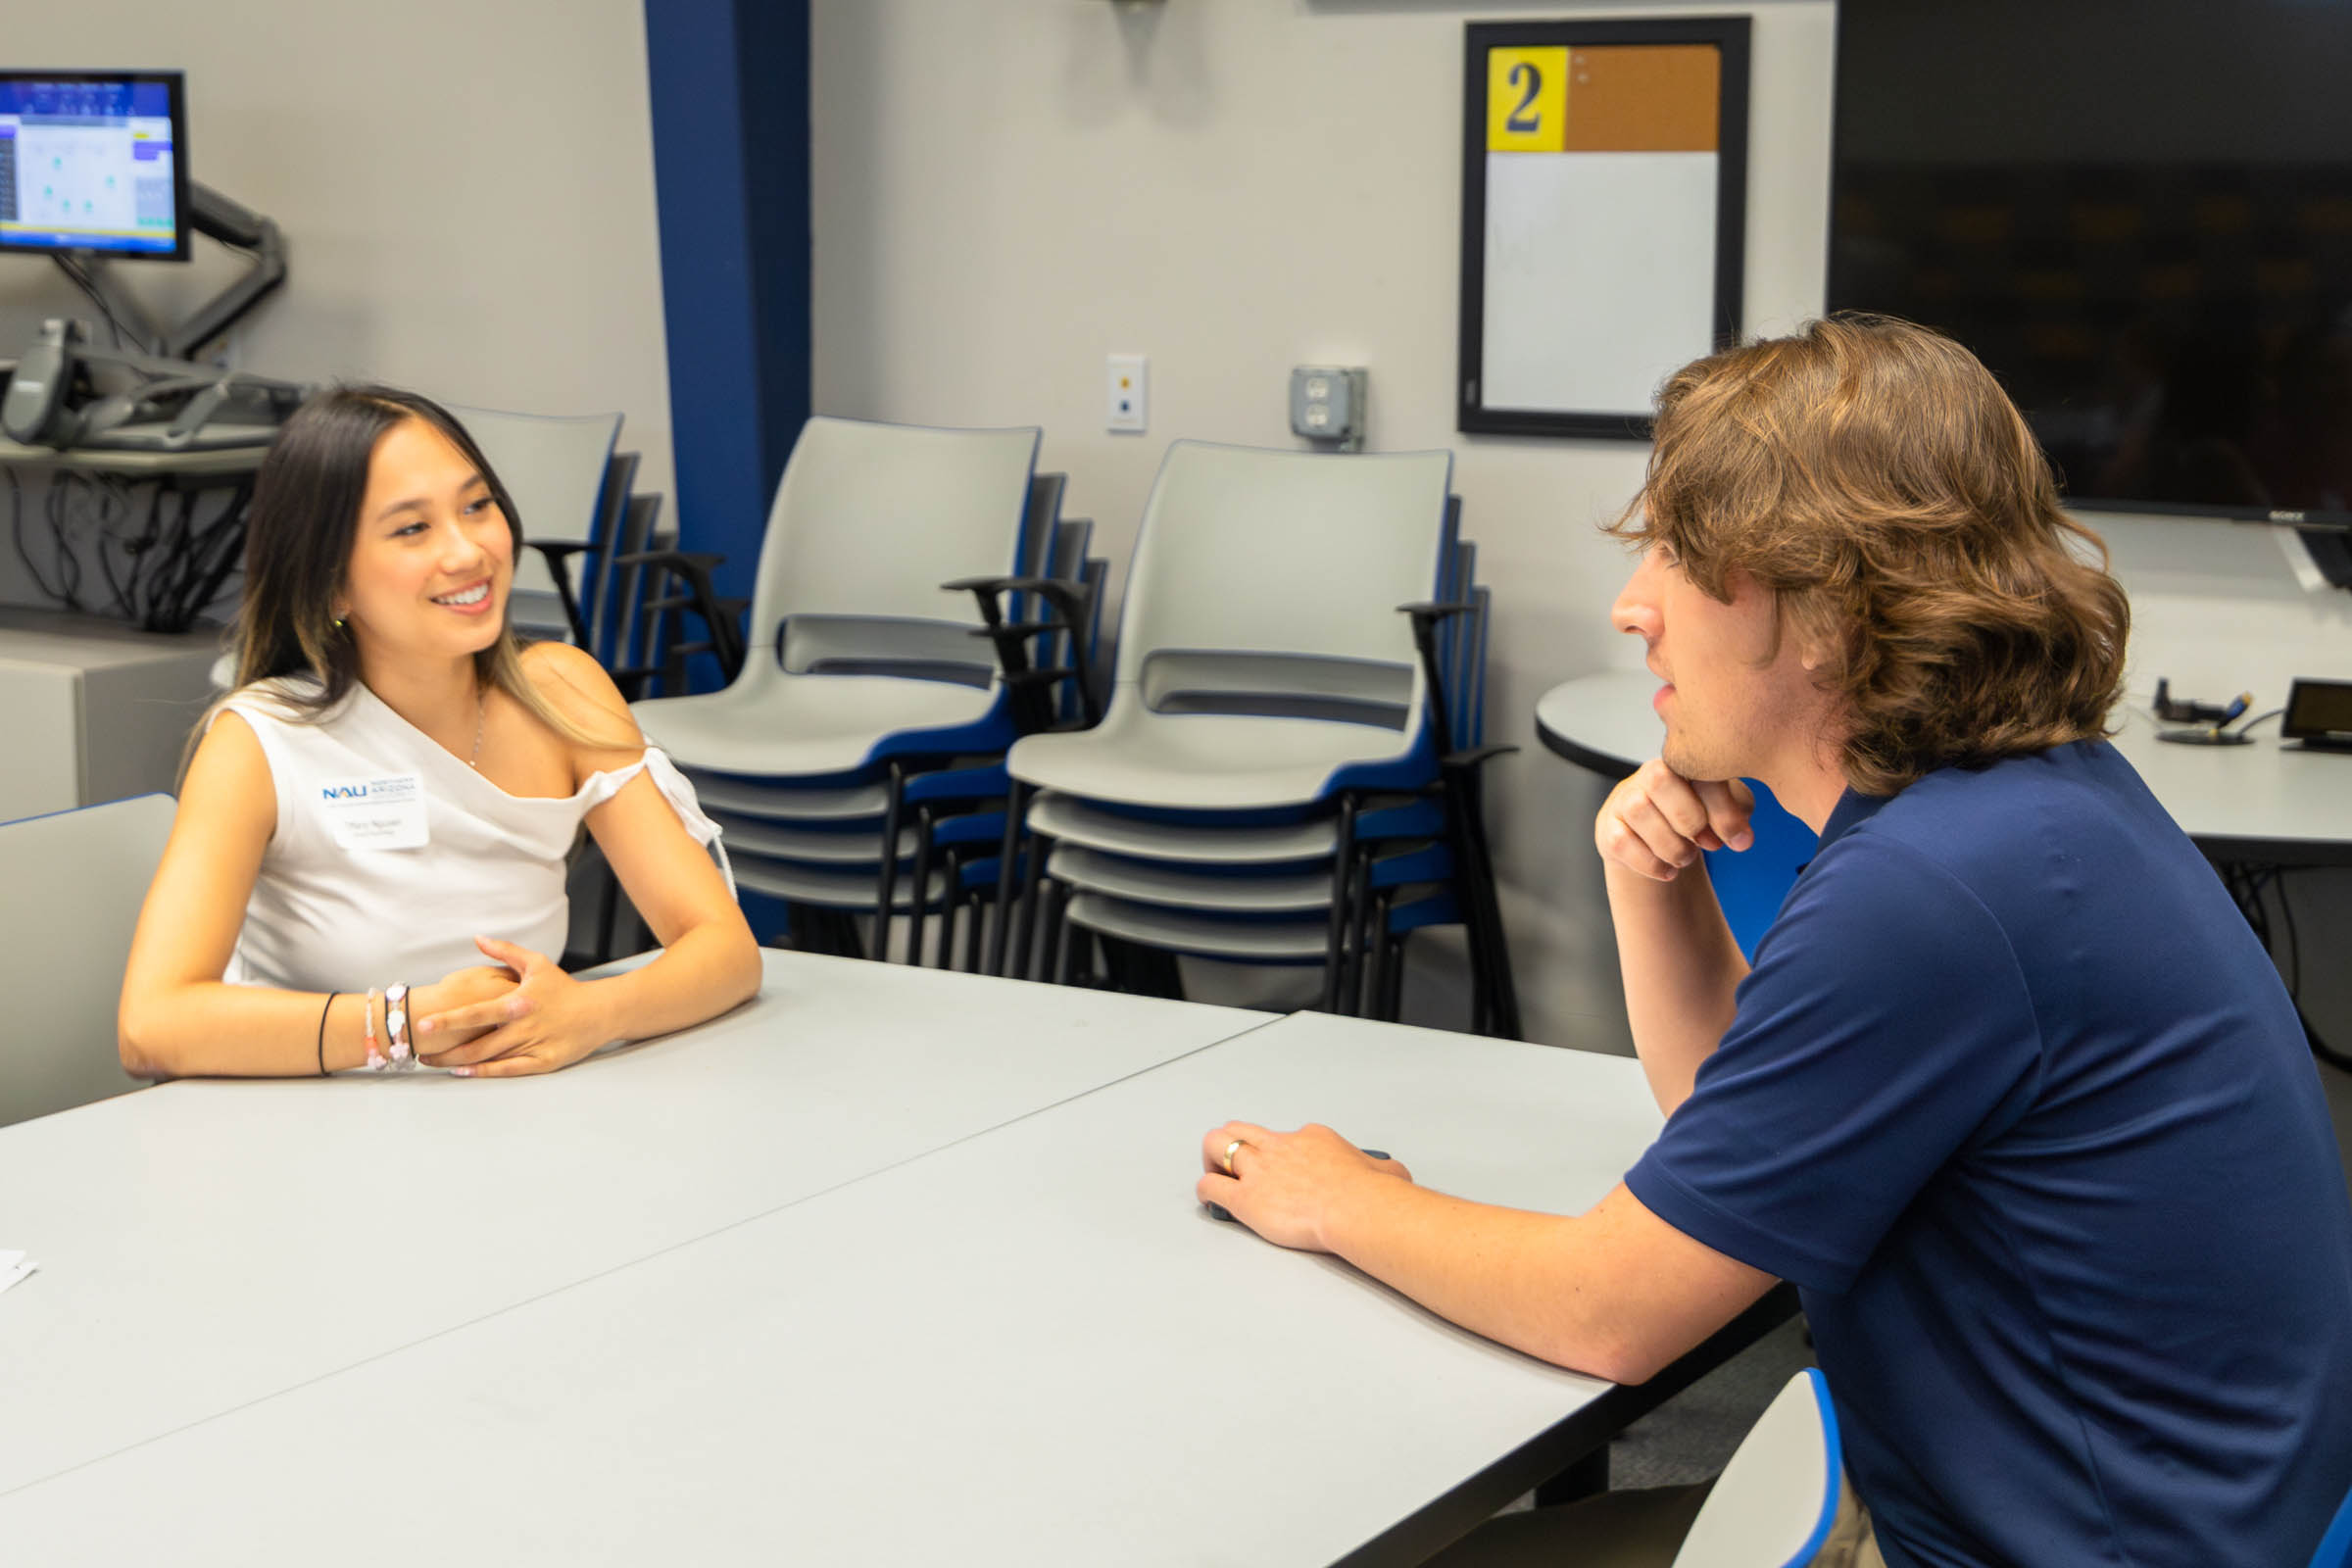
<point>729,91</point>
<point>729,83</point>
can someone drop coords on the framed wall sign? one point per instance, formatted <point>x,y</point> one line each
<point>1604,201</point>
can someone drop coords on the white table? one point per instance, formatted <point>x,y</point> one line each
<point>1026,1346</point>
<point>2268,801</point>
<point>207,1244</point>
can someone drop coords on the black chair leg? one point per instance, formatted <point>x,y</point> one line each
<point>1480,873</point>
<point>1016,809</point>
<point>886,894</point>
<point>971,935</point>
<point>1024,914</point>
<point>1049,950</point>
<point>1391,992</point>
<point>922,885</point>
<point>1342,856</point>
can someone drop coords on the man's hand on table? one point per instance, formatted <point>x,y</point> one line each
<point>1656,823</point>
<point>1285,1186</point>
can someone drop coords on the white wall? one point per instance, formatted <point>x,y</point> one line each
<point>466,191</point>
<point>1006,192</point>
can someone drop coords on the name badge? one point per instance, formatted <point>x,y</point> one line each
<point>375,813</point>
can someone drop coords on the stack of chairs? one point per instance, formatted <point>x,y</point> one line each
<point>570,488</point>
<point>587,529</point>
<point>581,578</point>
<point>1289,768</point>
<point>867,716</point>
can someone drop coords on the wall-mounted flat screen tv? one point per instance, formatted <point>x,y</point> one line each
<point>2137,212</point>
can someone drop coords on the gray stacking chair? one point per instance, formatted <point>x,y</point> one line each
<point>555,466</point>
<point>70,887</point>
<point>859,669</point>
<point>1276,747</point>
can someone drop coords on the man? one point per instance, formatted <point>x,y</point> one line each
<point>2012,1093</point>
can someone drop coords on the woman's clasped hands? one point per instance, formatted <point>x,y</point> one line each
<point>522,1015</point>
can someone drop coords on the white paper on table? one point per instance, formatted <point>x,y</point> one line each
<point>14,1266</point>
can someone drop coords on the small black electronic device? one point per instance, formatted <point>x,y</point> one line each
<point>2318,716</point>
<point>2183,709</point>
<point>2216,730</point>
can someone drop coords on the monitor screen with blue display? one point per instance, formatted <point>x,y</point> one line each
<point>94,161</point>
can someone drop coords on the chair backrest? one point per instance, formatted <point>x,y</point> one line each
<point>70,887</point>
<point>1263,575</point>
<point>869,521</point>
<point>554,467</point>
<point>593,581</point>
<point>631,635</point>
<point>1774,1503</point>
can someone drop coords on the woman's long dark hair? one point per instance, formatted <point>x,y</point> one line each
<point>299,533</point>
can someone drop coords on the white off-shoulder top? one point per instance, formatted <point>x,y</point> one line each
<point>351,896</point>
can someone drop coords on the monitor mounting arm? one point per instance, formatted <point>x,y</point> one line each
<point>231,225</point>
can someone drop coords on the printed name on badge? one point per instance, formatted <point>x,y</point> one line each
<point>375,813</point>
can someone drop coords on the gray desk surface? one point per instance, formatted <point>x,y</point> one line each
<point>223,461</point>
<point>205,1243</point>
<point>1031,1346</point>
<point>2267,800</point>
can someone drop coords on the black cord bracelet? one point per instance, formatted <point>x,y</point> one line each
<point>322,1012</point>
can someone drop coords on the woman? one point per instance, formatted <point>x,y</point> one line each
<point>368,866</point>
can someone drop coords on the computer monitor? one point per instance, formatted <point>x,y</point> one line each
<point>94,161</point>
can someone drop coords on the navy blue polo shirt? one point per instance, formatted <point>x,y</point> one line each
<point>2017,1101</point>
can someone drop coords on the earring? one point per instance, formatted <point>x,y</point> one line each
<point>340,625</point>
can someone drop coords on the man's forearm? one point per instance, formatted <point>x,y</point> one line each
<point>1505,1273</point>
<point>1681,967</point>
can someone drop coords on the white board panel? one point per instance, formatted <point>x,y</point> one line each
<point>1599,277</point>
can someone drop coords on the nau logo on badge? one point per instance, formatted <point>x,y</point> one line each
<point>375,813</point>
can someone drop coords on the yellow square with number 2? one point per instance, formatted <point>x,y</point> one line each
<point>1527,100</point>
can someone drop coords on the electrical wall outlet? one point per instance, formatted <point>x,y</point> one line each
<point>1327,403</point>
<point>1129,406</point>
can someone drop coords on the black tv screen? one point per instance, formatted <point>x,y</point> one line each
<point>2137,212</point>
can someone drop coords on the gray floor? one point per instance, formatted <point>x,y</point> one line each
<point>1691,1437</point>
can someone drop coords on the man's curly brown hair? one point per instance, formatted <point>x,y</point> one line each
<point>1873,476</point>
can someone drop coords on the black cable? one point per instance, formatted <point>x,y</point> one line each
<point>15,494</point>
<point>94,503</point>
<point>68,564</point>
<point>90,285</point>
<point>2248,725</point>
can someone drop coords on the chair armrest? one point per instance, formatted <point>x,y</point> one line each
<point>563,549</point>
<point>1018,628</point>
<point>669,557</point>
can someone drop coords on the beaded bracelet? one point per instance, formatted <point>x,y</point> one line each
<point>396,1025</point>
<point>375,1061</point>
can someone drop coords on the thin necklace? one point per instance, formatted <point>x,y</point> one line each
<point>481,711</point>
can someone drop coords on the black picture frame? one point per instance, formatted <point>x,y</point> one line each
<point>1728,35</point>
